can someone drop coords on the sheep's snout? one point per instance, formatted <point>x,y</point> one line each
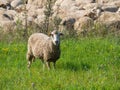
<point>56,39</point>
<point>55,36</point>
<point>56,42</point>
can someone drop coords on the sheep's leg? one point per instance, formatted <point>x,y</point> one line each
<point>29,58</point>
<point>33,59</point>
<point>54,65</point>
<point>29,64</point>
<point>43,64</point>
<point>48,65</point>
<point>29,61</point>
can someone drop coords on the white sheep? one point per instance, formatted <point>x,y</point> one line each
<point>44,47</point>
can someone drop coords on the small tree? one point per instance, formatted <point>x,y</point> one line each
<point>48,13</point>
<point>49,22</point>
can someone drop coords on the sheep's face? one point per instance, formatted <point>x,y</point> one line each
<point>55,35</point>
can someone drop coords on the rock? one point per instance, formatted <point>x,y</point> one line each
<point>29,18</point>
<point>6,20</point>
<point>34,10</point>
<point>85,1</point>
<point>110,19</point>
<point>5,4</point>
<point>21,8</point>
<point>115,3</point>
<point>105,1</point>
<point>40,3</point>
<point>4,16</point>
<point>9,1</point>
<point>40,19</point>
<point>11,14</point>
<point>64,7</point>
<point>19,18</point>
<point>91,6</point>
<point>2,10</point>
<point>118,11</point>
<point>7,25</point>
<point>16,3</point>
<point>75,14</point>
<point>110,8</point>
<point>33,14</point>
<point>68,23</point>
<point>83,24</point>
<point>78,13</point>
<point>40,11</point>
<point>69,8</point>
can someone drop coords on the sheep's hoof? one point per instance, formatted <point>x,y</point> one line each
<point>28,66</point>
<point>33,60</point>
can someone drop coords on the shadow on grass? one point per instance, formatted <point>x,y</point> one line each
<point>77,66</point>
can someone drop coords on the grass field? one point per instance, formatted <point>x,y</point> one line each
<point>85,64</point>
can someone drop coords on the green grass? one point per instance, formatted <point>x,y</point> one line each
<point>85,64</point>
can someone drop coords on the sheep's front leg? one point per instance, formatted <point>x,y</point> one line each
<point>43,64</point>
<point>48,65</point>
<point>54,65</point>
<point>29,58</point>
<point>29,64</point>
<point>33,59</point>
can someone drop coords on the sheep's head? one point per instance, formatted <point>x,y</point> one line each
<point>55,36</point>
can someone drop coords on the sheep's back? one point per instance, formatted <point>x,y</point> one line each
<point>36,43</point>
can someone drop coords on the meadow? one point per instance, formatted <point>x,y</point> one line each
<point>85,64</point>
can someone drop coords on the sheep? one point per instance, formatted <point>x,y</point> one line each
<point>44,47</point>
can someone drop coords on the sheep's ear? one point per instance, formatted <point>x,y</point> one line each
<point>61,34</point>
<point>49,34</point>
